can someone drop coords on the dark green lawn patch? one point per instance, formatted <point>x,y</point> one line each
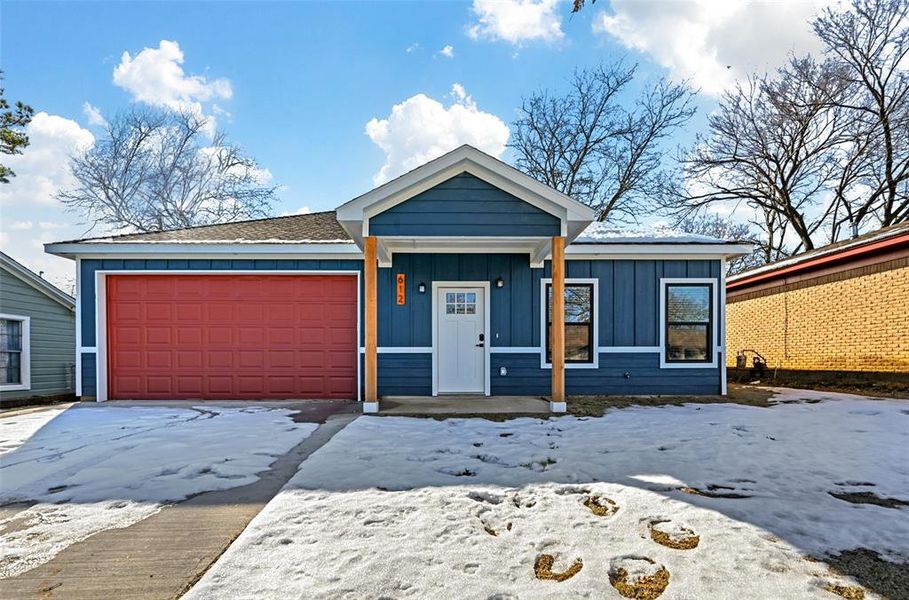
<point>869,498</point>
<point>889,579</point>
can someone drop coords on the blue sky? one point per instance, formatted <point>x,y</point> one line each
<point>297,83</point>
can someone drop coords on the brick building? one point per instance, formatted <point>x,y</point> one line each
<point>843,308</point>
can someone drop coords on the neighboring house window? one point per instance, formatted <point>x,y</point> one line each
<point>688,322</point>
<point>580,309</point>
<point>14,352</point>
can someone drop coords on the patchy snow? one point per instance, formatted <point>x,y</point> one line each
<point>15,430</point>
<point>608,233</point>
<point>395,506</point>
<point>93,468</point>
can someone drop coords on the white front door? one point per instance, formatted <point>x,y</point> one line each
<point>461,352</point>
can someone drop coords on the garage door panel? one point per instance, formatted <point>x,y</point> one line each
<point>232,336</point>
<point>158,335</point>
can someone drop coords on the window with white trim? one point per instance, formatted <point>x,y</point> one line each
<point>580,299</point>
<point>688,316</point>
<point>14,352</point>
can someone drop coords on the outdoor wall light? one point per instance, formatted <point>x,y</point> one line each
<point>500,282</point>
<point>421,288</point>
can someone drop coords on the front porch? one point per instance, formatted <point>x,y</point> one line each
<point>463,405</point>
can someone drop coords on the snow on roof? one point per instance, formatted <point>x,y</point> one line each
<point>608,233</point>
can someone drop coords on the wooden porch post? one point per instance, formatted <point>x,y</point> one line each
<point>370,268</point>
<point>557,335</point>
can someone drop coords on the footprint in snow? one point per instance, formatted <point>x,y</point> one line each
<point>601,506</point>
<point>673,535</point>
<point>487,497</point>
<point>571,489</point>
<point>542,568</point>
<point>638,577</point>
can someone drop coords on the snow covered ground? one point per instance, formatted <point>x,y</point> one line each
<point>92,468</point>
<point>466,508</point>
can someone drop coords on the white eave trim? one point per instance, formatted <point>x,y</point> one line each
<point>165,249</point>
<point>656,250</point>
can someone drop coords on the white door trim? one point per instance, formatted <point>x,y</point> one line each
<point>101,311</point>
<point>435,330</point>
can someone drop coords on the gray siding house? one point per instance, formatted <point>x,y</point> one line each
<point>37,336</point>
<point>463,276</point>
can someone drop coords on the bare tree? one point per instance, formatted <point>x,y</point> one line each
<point>769,146</point>
<point>590,145</point>
<point>867,44</point>
<point>157,170</point>
<point>724,228</point>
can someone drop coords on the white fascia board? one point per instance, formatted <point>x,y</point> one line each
<point>176,249</point>
<point>657,250</point>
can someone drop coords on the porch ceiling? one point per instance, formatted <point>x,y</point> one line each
<point>537,248</point>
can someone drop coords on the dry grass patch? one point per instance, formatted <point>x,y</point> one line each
<point>601,506</point>
<point>682,538</point>
<point>596,406</point>
<point>712,494</point>
<point>849,592</point>
<point>542,568</point>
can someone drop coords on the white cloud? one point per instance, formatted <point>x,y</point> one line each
<point>421,128</point>
<point>303,210</point>
<point>712,42</point>
<point>43,167</point>
<point>447,51</point>
<point>51,225</point>
<point>413,48</point>
<point>93,114</point>
<point>517,21</point>
<point>154,76</point>
<point>42,170</point>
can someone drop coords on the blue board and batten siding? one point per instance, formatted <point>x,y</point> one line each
<point>465,206</point>
<point>628,307</point>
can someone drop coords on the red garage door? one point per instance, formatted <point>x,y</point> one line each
<point>232,336</point>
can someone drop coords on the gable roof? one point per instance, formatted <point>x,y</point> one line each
<point>31,278</point>
<point>354,215</point>
<point>320,227</point>
<point>888,238</point>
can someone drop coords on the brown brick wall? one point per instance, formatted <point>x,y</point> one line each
<point>852,321</point>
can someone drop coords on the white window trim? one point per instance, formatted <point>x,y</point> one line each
<point>25,371</point>
<point>714,338</point>
<point>596,323</point>
<point>487,303</point>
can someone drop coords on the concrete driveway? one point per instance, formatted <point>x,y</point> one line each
<point>161,556</point>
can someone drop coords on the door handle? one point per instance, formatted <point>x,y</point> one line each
<point>482,340</point>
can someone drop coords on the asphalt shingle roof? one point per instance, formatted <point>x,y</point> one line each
<point>312,227</point>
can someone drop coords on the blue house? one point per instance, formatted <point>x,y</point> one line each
<point>463,276</point>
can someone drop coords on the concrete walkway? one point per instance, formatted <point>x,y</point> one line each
<point>162,556</point>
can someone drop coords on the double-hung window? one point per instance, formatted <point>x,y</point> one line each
<point>580,314</point>
<point>14,353</point>
<point>688,322</point>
